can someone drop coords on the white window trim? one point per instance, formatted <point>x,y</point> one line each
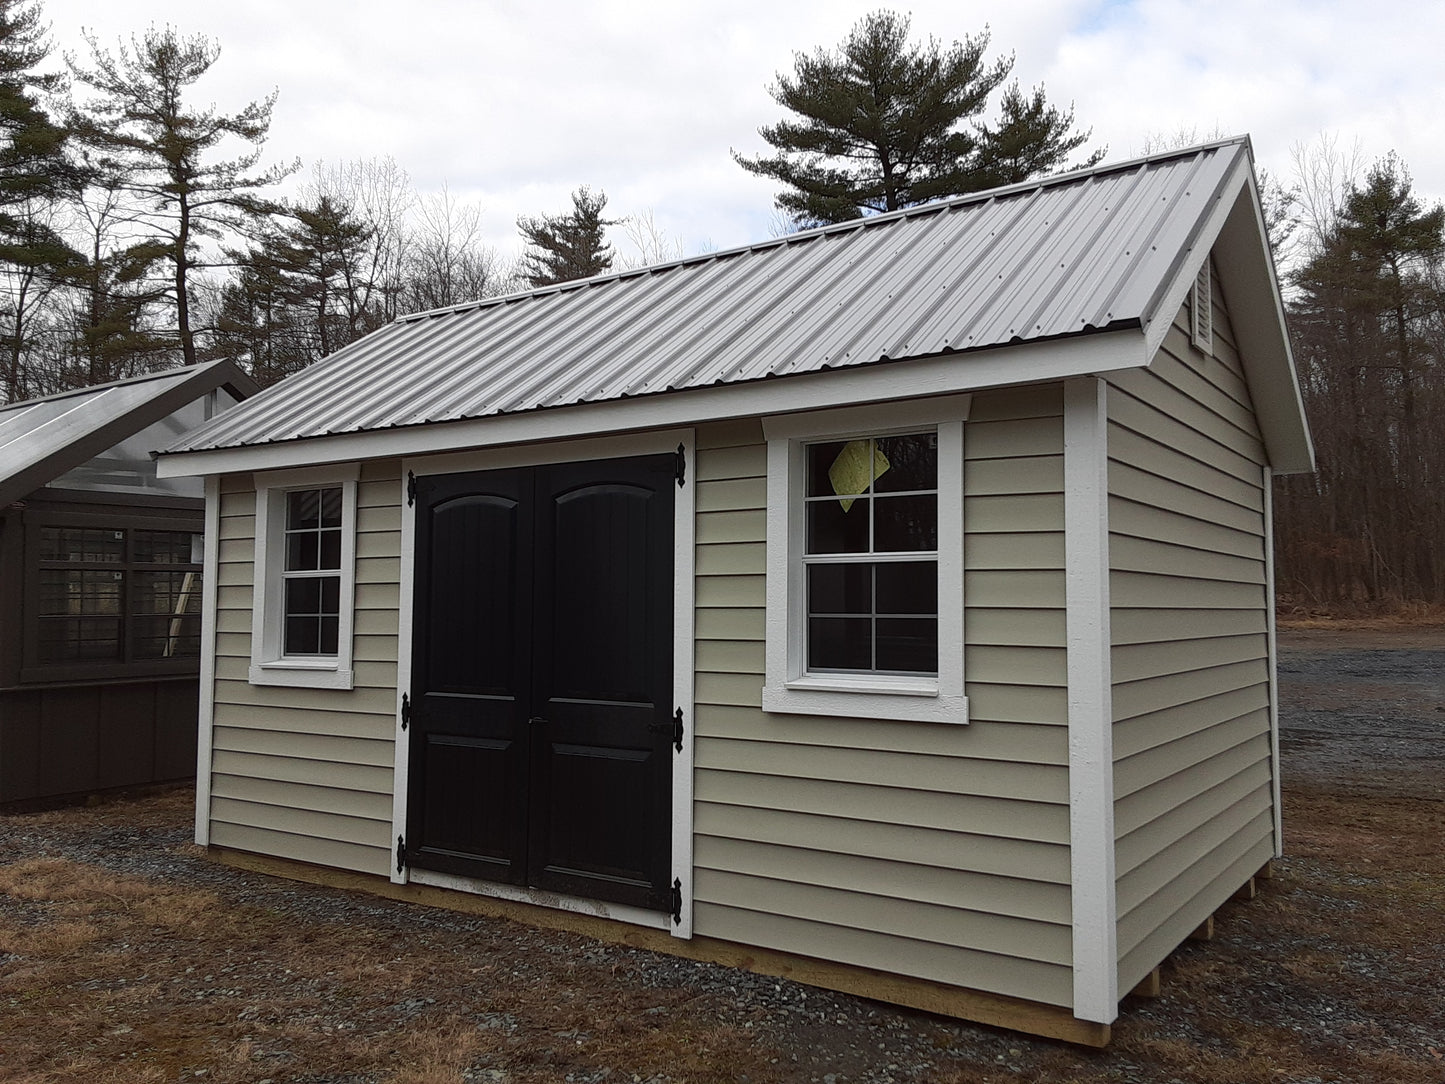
<point>269,666</point>
<point>786,688</point>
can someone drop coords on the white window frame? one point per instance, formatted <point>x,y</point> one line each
<point>269,663</point>
<point>787,687</point>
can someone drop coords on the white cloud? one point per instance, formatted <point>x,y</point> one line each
<point>515,103</point>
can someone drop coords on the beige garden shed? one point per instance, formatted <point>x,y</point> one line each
<point>887,605</point>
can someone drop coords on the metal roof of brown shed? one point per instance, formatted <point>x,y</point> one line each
<point>1063,256</point>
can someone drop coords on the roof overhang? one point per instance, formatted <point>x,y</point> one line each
<point>91,427</point>
<point>886,381</point>
<point>1235,232</point>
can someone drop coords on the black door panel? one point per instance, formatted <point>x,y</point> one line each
<point>543,640</point>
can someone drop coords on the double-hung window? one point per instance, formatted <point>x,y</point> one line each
<point>865,555</point>
<point>305,578</point>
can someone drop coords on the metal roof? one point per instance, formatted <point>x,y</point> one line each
<point>40,439</point>
<point>1063,256</point>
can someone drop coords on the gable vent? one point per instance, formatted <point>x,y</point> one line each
<point>1201,312</point>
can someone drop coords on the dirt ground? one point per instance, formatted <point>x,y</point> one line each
<point>127,956</point>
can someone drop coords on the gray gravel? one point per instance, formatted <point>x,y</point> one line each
<point>1337,730</point>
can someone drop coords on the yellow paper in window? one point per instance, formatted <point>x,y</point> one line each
<point>857,467</point>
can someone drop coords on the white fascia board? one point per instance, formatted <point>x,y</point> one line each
<point>1090,674</point>
<point>1023,363</point>
<point>1256,311</point>
<point>1162,319</point>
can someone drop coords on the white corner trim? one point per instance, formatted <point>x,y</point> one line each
<point>1268,482</point>
<point>206,714</point>
<point>1091,742</point>
<point>684,609</point>
<point>399,871</point>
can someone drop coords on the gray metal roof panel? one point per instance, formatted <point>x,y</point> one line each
<point>42,438</point>
<point>1052,258</point>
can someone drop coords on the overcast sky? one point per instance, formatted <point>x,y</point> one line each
<point>513,104</point>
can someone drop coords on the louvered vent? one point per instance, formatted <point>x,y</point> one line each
<point>1201,312</point>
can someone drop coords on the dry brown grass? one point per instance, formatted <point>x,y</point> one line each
<point>1332,974</point>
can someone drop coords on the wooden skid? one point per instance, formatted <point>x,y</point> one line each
<point>976,1006</point>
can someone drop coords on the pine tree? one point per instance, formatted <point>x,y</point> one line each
<point>33,164</point>
<point>883,124</point>
<point>35,174</point>
<point>567,246</point>
<point>144,132</point>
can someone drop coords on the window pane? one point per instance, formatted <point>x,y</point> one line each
<point>161,547</point>
<point>839,643</point>
<point>909,645</point>
<point>331,595</point>
<point>166,593</point>
<point>905,524</point>
<point>912,462</point>
<point>840,589</point>
<point>330,628</point>
<point>73,591</point>
<point>821,458</point>
<point>302,553</point>
<point>834,529</point>
<point>330,507</point>
<point>330,550</point>
<point>79,639</point>
<point>82,544</point>
<point>303,509</point>
<point>303,596</point>
<point>166,637</point>
<point>907,587</point>
<point>303,636</point>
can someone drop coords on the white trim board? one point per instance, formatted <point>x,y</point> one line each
<point>206,713</point>
<point>684,606</point>
<point>1273,648</point>
<point>1024,363</point>
<point>1091,740</point>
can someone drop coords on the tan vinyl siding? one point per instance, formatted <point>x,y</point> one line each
<point>1189,620</point>
<point>307,773</point>
<point>930,850</point>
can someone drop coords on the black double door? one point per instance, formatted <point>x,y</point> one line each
<point>541,725</point>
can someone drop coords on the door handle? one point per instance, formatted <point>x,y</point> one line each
<point>536,720</point>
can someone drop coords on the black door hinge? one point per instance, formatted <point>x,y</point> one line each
<point>673,729</point>
<point>400,853</point>
<point>405,711</point>
<point>680,467</point>
<point>410,489</point>
<point>676,901</point>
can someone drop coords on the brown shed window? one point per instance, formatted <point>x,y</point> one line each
<point>107,599</point>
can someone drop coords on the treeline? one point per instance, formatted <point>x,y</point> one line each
<point>1366,306</point>
<point>140,231</point>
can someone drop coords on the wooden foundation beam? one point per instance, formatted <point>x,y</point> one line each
<point>1247,891</point>
<point>1205,932</point>
<point>1151,986</point>
<point>976,1006</point>
<point>1266,871</point>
